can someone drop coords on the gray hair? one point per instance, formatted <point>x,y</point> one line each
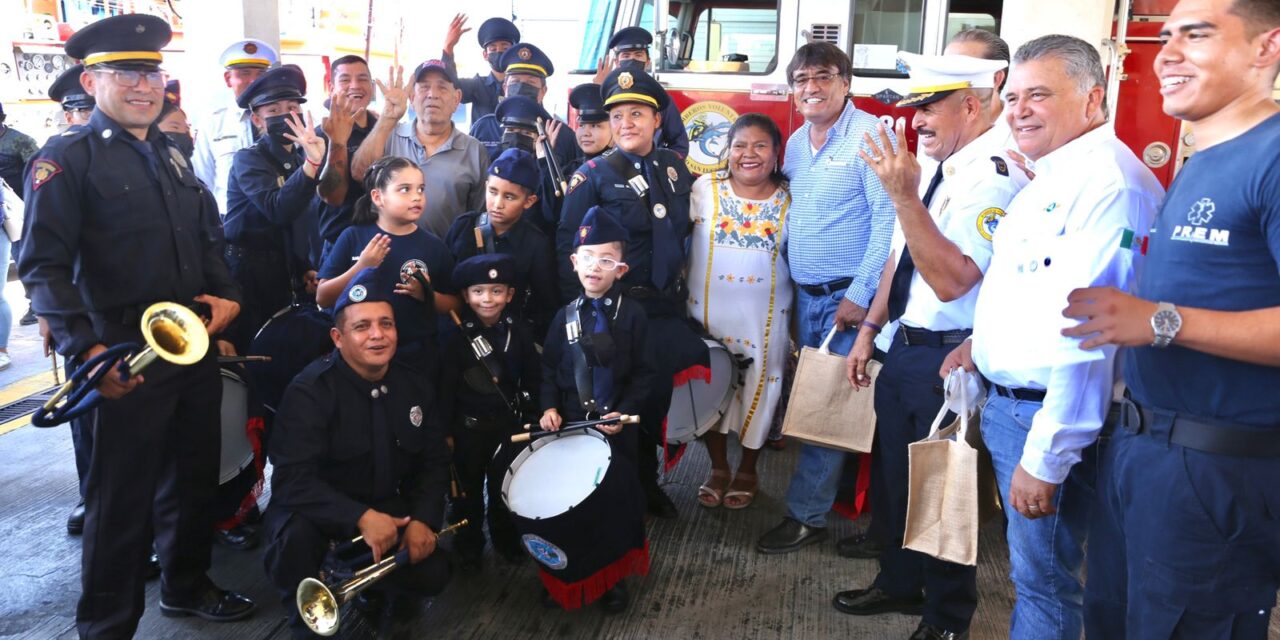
<point>1082,62</point>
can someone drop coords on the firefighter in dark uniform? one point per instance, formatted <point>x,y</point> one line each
<point>483,415</point>
<point>358,449</point>
<point>495,36</point>
<point>647,188</point>
<point>76,103</point>
<point>631,50</point>
<point>593,134</point>
<point>526,70</point>
<point>536,295</point>
<point>117,221</point>
<point>270,191</point>
<point>519,117</point>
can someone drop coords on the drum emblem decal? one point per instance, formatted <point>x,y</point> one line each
<point>415,416</point>
<point>545,552</point>
<point>409,266</point>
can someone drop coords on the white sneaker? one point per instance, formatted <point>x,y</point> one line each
<point>5,360</point>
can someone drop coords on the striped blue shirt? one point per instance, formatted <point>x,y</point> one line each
<point>841,220</point>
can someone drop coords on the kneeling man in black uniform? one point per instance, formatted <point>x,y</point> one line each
<point>358,448</point>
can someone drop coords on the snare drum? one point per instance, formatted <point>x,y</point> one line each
<point>580,512</point>
<point>698,404</point>
<point>237,451</point>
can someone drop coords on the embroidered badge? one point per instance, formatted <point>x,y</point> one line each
<point>576,180</point>
<point>358,293</point>
<point>672,175</point>
<point>42,171</point>
<point>1002,167</point>
<point>250,47</point>
<point>583,231</point>
<point>988,220</point>
<point>545,552</point>
<point>1201,212</point>
<point>524,54</point>
<point>625,80</point>
<point>1132,241</point>
<point>415,416</point>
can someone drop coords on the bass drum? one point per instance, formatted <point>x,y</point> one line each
<point>293,338</point>
<point>704,397</point>
<point>237,451</point>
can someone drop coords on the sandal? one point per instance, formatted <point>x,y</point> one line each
<point>711,493</point>
<point>744,496</point>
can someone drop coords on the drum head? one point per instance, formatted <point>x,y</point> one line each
<point>556,473</point>
<point>698,405</point>
<point>237,451</point>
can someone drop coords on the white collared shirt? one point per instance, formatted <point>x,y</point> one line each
<point>219,136</point>
<point>1071,227</point>
<point>967,206</point>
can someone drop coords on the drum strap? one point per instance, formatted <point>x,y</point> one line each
<point>484,234</point>
<point>579,343</point>
<point>490,360</point>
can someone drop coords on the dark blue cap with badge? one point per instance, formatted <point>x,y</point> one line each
<point>586,99</point>
<point>495,29</point>
<point>518,166</point>
<point>521,113</point>
<point>486,268</point>
<point>68,90</point>
<point>632,86</point>
<point>285,82</point>
<point>527,59</point>
<point>599,226</point>
<point>132,41</point>
<point>436,65</point>
<point>367,285</point>
<point>631,39</point>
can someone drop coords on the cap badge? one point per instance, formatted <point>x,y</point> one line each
<point>140,28</point>
<point>524,54</point>
<point>625,81</point>
<point>358,293</point>
<point>250,47</point>
<point>493,273</point>
<point>583,231</point>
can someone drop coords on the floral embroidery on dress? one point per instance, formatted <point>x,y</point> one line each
<point>748,224</point>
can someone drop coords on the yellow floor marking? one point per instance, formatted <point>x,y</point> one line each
<point>19,390</point>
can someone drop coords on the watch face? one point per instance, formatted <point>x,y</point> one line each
<point>1166,322</point>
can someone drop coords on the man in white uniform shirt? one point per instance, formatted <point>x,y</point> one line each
<point>1073,226</point>
<point>946,213</point>
<point>228,129</point>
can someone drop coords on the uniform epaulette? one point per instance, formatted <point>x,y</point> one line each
<point>1002,167</point>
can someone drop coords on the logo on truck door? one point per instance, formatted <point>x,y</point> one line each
<point>707,124</point>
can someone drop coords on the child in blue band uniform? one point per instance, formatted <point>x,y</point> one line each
<point>483,414</point>
<point>612,336</point>
<point>384,234</point>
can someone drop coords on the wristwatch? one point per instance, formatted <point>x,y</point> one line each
<point>1166,322</point>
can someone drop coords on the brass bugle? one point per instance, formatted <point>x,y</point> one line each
<point>318,605</point>
<point>573,426</point>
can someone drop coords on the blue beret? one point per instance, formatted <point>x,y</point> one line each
<point>368,285</point>
<point>285,82</point>
<point>630,39</point>
<point>133,39</point>
<point>626,85</point>
<point>495,29</point>
<point>599,226</point>
<point>518,166</point>
<point>520,112</point>
<point>67,90</point>
<point>438,66</point>
<point>486,268</point>
<point>527,59</point>
<point>249,53</point>
<point>587,100</point>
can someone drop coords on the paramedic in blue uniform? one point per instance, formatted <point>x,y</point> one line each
<point>358,449</point>
<point>117,221</point>
<point>495,36</point>
<point>271,189</point>
<point>526,69</point>
<point>630,48</point>
<point>647,188</point>
<point>1186,542</point>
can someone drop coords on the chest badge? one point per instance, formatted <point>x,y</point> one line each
<point>672,175</point>
<point>415,416</point>
<point>659,211</point>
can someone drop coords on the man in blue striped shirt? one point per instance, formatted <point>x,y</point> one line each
<point>839,228</point>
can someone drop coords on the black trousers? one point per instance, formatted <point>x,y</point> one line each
<point>297,547</point>
<point>673,346</point>
<point>481,458</point>
<point>82,444</point>
<point>908,397</point>
<point>265,287</point>
<point>153,469</point>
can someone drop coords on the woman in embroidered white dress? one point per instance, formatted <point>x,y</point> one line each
<point>741,292</point>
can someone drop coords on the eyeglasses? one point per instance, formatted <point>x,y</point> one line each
<point>821,80</point>
<point>127,78</point>
<point>587,261</point>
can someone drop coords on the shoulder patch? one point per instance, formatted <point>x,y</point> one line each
<point>576,180</point>
<point>42,171</point>
<point>988,220</point>
<point>1002,167</point>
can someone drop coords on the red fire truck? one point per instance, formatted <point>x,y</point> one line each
<point>721,58</point>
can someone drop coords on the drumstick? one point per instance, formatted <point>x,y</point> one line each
<point>239,359</point>
<point>445,531</point>
<point>573,426</point>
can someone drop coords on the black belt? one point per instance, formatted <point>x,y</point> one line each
<point>916,337</point>
<point>826,288</point>
<point>1203,435</point>
<point>1030,395</point>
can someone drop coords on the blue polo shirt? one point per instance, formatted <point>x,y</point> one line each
<point>415,321</point>
<point>1215,245</point>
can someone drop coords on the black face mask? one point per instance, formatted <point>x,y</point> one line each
<point>521,89</point>
<point>513,140</point>
<point>277,127</point>
<point>183,142</point>
<point>495,61</point>
<point>631,65</point>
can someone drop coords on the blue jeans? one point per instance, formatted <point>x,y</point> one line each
<point>1045,554</point>
<point>817,475</point>
<point>6,314</point>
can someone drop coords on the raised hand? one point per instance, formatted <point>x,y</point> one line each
<point>395,93</point>
<point>454,34</point>
<point>338,124</point>
<point>304,135</point>
<point>896,167</point>
<point>374,252</point>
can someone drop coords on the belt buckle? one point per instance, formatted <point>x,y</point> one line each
<point>1130,416</point>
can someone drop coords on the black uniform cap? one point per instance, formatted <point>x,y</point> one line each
<point>285,82</point>
<point>486,268</point>
<point>587,100</point>
<point>67,90</point>
<point>128,40</point>
<point>631,39</point>
<point>521,112</point>
<point>495,29</point>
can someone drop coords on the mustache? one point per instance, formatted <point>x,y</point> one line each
<point>925,131</point>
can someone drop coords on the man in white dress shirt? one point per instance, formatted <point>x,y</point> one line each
<point>947,211</point>
<point>1073,226</point>
<point>228,129</point>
